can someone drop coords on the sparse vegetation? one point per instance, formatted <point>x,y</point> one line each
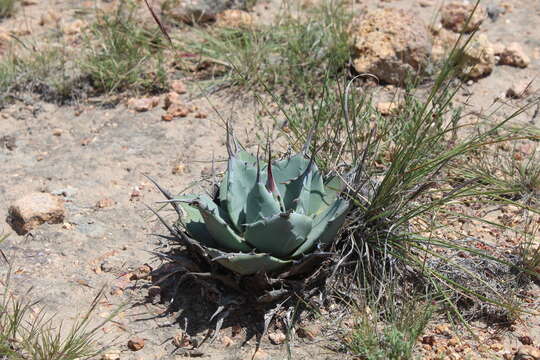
<point>390,330</point>
<point>27,331</point>
<point>123,55</point>
<point>291,56</point>
<point>412,176</point>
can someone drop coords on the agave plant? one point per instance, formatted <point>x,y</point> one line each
<point>264,217</point>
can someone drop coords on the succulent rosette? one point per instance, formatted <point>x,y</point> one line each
<point>265,216</point>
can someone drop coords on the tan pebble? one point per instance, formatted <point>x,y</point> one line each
<point>496,346</point>
<point>167,117</point>
<point>34,209</point>
<point>178,86</point>
<point>387,108</point>
<point>201,115</point>
<point>177,110</point>
<point>453,341</point>
<point>277,338</point>
<point>143,104</point>
<point>514,55</point>
<point>178,169</point>
<point>57,132</point>
<point>105,203</point>
<point>111,356</point>
<point>29,2</point>
<point>170,99</point>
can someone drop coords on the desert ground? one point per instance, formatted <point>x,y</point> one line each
<point>64,133</point>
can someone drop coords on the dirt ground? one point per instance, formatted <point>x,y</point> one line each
<point>89,153</point>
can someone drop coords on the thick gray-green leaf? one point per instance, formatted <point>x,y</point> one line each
<point>194,222</point>
<point>279,235</point>
<point>325,226</point>
<point>260,204</point>
<point>239,180</point>
<point>243,156</point>
<point>289,169</point>
<point>221,232</point>
<point>333,186</point>
<point>249,264</point>
<point>317,193</point>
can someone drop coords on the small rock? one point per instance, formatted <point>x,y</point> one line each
<point>234,19</point>
<point>35,209</point>
<point>454,16</point>
<point>178,110</point>
<point>135,344</point>
<point>199,11</point>
<point>143,104</point>
<point>167,117</point>
<point>519,89</point>
<point>496,346</point>
<point>478,58</point>
<point>57,132</point>
<point>277,338</point>
<point>172,98</point>
<point>29,2</point>
<point>8,142</point>
<point>111,356</point>
<point>527,352</point>
<point>178,86</point>
<point>105,203</point>
<point>391,44</point>
<point>178,169</point>
<point>513,55</point>
<point>200,115</point>
<point>387,108</point>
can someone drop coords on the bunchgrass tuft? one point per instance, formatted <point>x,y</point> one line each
<point>290,56</point>
<point>388,331</point>
<point>45,71</point>
<point>122,55</point>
